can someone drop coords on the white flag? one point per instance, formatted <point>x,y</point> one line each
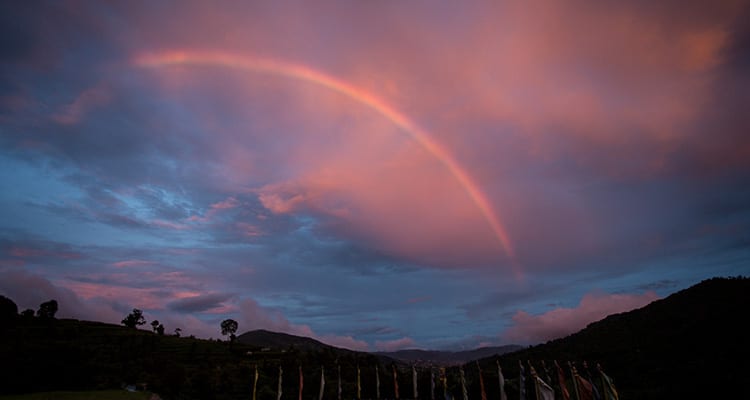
<point>414,381</point>
<point>322,382</point>
<point>543,390</point>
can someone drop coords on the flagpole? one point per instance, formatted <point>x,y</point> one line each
<point>414,382</point>
<point>463,383</point>
<point>501,381</point>
<point>432,383</point>
<point>338,370</point>
<point>377,383</point>
<point>301,382</point>
<point>444,382</point>
<point>483,394</point>
<point>573,374</point>
<point>359,385</point>
<point>255,381</point>
<point>521,381</point>
<point>322,382</point>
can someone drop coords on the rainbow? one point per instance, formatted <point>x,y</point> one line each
<point>303,73</point>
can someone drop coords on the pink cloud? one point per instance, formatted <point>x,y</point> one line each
<point>247,229</point>
<point>89,99</point>
<point>535,76</point>
<point>528,329</point>
<point>169,225</point>
<point>346,342</point>
<point>230,202</point>
<point>132,263</point>
<point>215,208</point>
<point>29,252</point>
<point>133,297</point>
<point>29,290</point>
<point>395,344</point>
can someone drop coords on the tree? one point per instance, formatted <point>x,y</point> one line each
<point>178,332</point>
<point>160,330</point>
<point>134,319</point>
<point>154,324</point>
<point>47,310</point>
<point>8,309</point>
<point>229,327</point>
<point>27,313</point>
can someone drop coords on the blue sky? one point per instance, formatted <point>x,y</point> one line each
<point>375,175</point>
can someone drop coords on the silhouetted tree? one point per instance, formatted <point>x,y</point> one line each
<point>48,309</point>
<point>229,327</point>
<point>154,324</point>
<point>27,313</point>
<point>134,319</point>
<point>160,329</point>
<point>177,332</point>
<point>8,309</point>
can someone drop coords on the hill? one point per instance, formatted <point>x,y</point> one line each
<point>445,358</point>
<point>691,344</point>
<point>279,341</point>
<point>42,355</point>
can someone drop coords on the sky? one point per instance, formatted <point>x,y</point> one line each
<point>377,175</point>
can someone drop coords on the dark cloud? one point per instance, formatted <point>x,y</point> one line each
<point>658,286</point>
<point>199,303</point>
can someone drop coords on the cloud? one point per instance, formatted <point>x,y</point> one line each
<point>74,112</point>
<point>200,303</point>
<point>346,342</point>
<point>395,344</point>
<point>132,263</point>
<point>610,134</point>
<point>29,290</point>
<point>254,316</point>
<point>531,329</point>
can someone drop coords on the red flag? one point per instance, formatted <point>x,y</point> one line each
<point>301,382</point>
<point>561,380</point>
<point>481,382</point>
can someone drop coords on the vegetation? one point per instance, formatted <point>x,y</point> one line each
<point>134,319</point>
<point>229,327</point>
<point>8,309</point>
<point>47,310</point>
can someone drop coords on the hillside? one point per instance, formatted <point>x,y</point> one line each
<point>688,345</point>
<point>281,341</point>
<point>73,355</point>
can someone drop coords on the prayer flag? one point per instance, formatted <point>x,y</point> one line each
<point>322,382</point>
<point>501,381</point>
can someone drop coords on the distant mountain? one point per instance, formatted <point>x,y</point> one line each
<point>434,357</point>
<point>692,344</point>
<point>277,341</point>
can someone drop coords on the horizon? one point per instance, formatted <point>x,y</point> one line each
<point>375,176</point>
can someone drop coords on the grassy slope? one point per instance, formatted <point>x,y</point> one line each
<point>89,395</point>
<point>84,355</point>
